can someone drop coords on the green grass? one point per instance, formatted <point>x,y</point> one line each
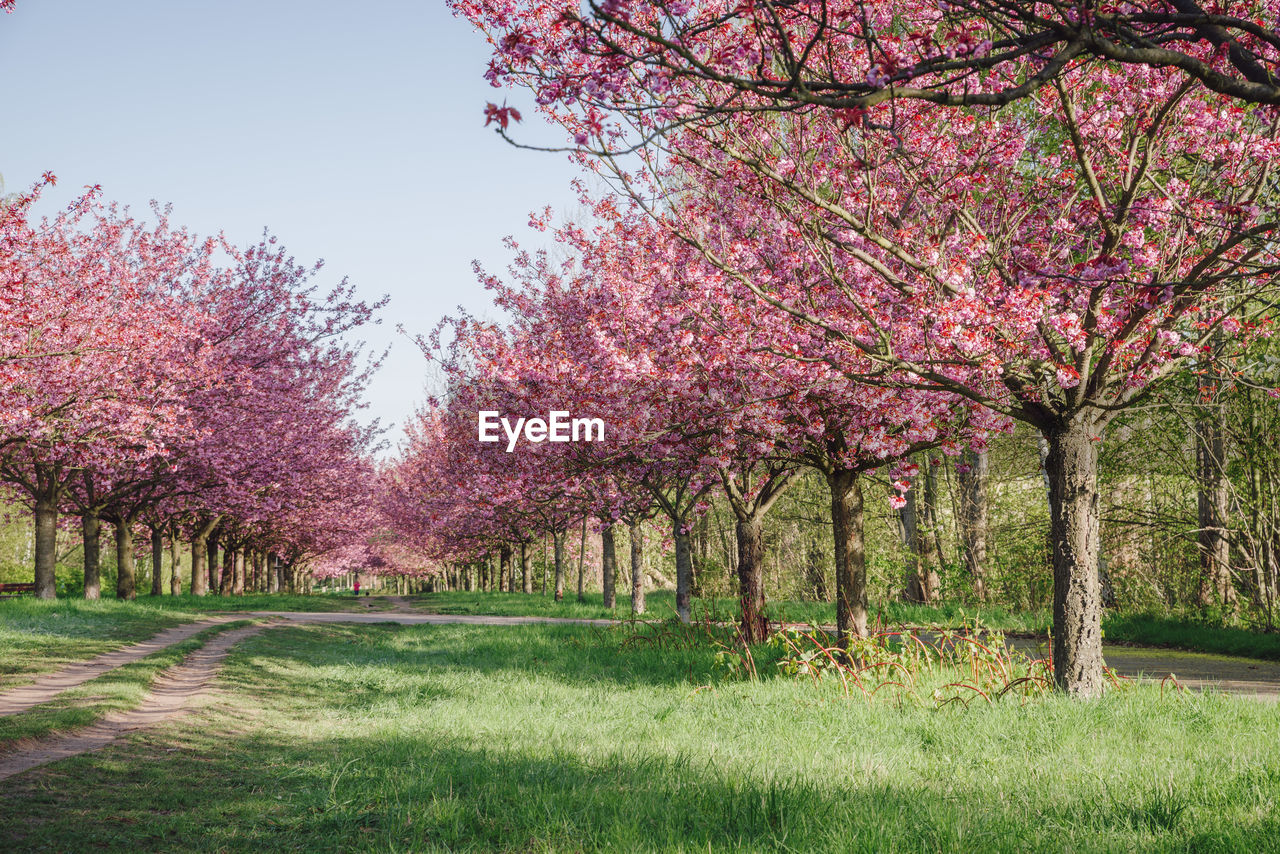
<point>120,689</point>
<point>1191,634</point>
<point>557,738</point>
<point>40,635</point>
<point>661,605</point>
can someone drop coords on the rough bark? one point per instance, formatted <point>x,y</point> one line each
<point>754,625</point>
<point>175,554</point>
<point>228,577</point>
<point>558,544</point>
<point>848,530</point>
<point>973,520</point>
<point>126,580</point>
<point>526,567</point>
<point>684,572</point>
<point>199,561</point>
<point>636,532</point>
<point>609,566</point>
<point>91,533</point>
<point>504,568</point>
<point>157,562</point>
<point>1071,468</point>
<point>214,574</point>
<point>46,544</point>
<point>582,561</point>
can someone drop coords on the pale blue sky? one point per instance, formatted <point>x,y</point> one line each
<point>353,130</point>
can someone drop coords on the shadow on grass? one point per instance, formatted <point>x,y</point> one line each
<point>405,792</point>
<point>364,657</point>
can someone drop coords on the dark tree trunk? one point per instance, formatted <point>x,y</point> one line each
<point>972,487</point>
<point>526,567</point>
<point>684,573</point>
<point>1071,467</point>
<point>847,530</point>
<point>504,568</point>
<point>636,532</point>
<point>175,577</point>
<point>157,561</point>
<point>582,561</point>
<point>609,566</point>
<point>91,533</point>
<point>125,578</point>
<point>46,543</point>
<point>214,575</point>
<point>228,577</point>
<point>558,541</point>
<point>754,625</point>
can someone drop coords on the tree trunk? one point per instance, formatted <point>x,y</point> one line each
<point>814,575</point>
<point>526,568</point>
<point>1071,466</point>
<point>199,563</point>
<point>157,561</point>
<point>847,530</point>
<point>636,532</point>
<point>175,577</point>
<point>973,520</point>
<point>557,537</point>
<point>1213,496</point>
<point>125,578</point>
<point>214,574</point>
<point>684,573</point>
<point>609,566</point>
<point>582,561</point>
<point>754,625</point>
<point>46,544</point>
<point>237,572</point>
<point>504,568</point>
<point>228,577</point>
<point>91,533</point>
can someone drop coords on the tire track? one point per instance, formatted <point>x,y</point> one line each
<point>172,690</point>
<point>50,685</point>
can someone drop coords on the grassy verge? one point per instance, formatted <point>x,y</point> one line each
<point>661,605</point>
<point>558,738</point>
<point>117,690</point>
<point>260,602</point>
<point>1189,634</point>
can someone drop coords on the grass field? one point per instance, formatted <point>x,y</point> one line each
<point>563,738</point>
<point>661,604</point>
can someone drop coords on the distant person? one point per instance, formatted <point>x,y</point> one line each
<point>357,587</point>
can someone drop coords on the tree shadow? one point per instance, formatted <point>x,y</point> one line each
<point>407,792</point>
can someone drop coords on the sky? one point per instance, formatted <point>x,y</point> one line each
<point>355,132</point>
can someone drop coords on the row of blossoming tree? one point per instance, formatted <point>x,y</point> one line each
<point>844,232</point>
<point>180,387</point>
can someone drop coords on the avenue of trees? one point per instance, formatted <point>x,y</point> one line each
<point>839,255</point>
<point>844,233</point>
<point>181,390</point>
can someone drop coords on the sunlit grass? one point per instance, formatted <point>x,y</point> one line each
<point>561,738</point>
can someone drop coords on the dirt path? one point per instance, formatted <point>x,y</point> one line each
<point>171,692</point>
<point>48,686</point>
